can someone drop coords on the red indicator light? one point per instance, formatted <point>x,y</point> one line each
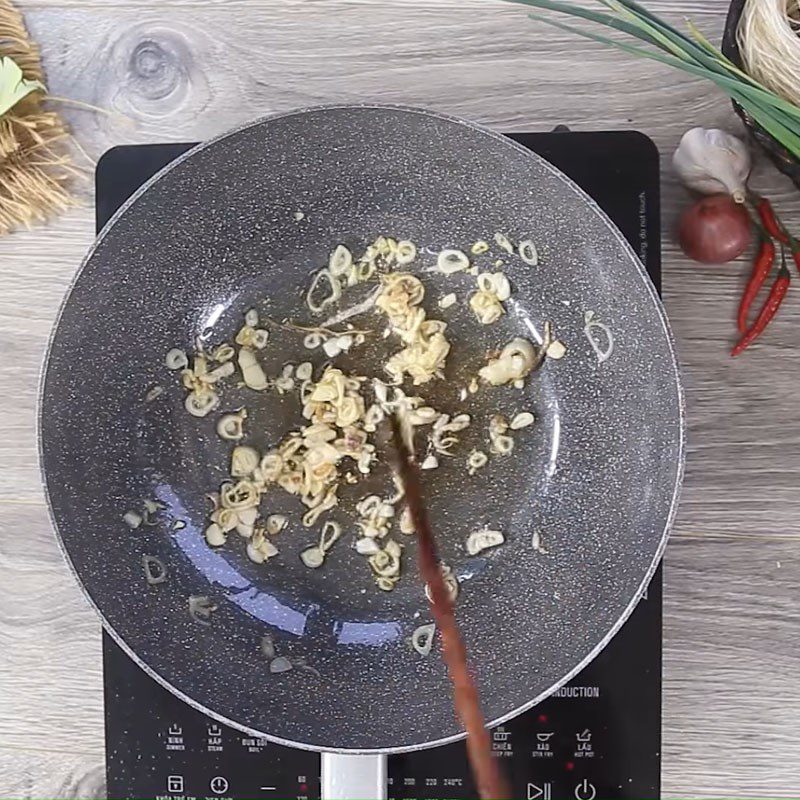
<point>303,787</point>
<point>542,719</point>
<point>569,766</point>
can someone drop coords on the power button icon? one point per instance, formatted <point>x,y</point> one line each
<point>585,790</point>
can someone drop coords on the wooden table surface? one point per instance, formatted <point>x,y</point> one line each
<point>181,70</point>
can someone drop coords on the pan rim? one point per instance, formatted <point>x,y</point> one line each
<point>649,288</point>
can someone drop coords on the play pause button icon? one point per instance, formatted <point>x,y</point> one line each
<point>543,792</point>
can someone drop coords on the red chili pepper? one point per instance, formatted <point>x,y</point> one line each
<point>762,266</point>
<point>770,309</point>
<point>770,221</point>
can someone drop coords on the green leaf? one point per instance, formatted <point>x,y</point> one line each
<point>585,13</point>
<point>696,56</point>
<point>13,86</point>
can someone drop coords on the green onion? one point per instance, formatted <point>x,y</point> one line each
<point>691,52</point>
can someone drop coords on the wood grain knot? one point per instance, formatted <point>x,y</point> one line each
<point>159,71</point>
<point>155,70</point>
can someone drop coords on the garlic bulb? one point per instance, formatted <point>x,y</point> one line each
<point>711,161</point>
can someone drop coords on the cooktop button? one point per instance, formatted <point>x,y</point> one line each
<point>585,790</point>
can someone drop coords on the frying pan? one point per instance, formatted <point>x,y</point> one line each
<point>595,482</point>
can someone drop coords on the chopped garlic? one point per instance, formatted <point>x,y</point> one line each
<point>230,426</point>
<point>252,374</point>
<point>483,540</point>
<point>341,261</point>
<point>528,253</point>
<point>556,350</point>
<point>503,242</point>
<point>313,557</point>
<point>244,461</point>
<point>476,460</point>
<point>202,403</point>
<point>522,420</point>
<point>304,371</point>
<point>276,523</point>
<point>450,261</point>
<point>214,535</point>
<point>488,309</point>
<point>422,639</point>
<point>516,360</point>
<point>448,300</point>
<point>406,252</point>
<point>502,445</point>
<point>132,519</point>
<point>176,359</point>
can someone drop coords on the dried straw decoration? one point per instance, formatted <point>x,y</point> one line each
<point>34,163</point>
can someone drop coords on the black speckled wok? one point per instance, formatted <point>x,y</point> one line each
<point>596,478</point>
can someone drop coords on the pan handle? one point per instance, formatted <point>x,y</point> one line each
<point>345,776</point>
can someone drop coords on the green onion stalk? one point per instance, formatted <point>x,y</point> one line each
<point>691,52</point>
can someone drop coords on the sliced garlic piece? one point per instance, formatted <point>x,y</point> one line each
<point>132,519</point>
<point>557,350</point>
<point>251,318</point>
<point>201,404</point>
<point>502,445</point>
<point>536,543</point>
<point>367,546</point>
<point>340,261</point>
<point>260,338</point>
<point>244,460</point>
<point>335,291</point>
<point>230,426</point>
<point>479,248</point>
<point>312,341</point>
<point>448,300</point>
<point>504,242</point>
<point>528,252</point>
<point>522,420</point>
<point>430,462</point>
<point>252,374</point>
<point>247,516</point>
<point>331,531</point>
<point>450,261</point>
<point>483,540</point>
<point>222,371</point>
<point>423,416</point>
<point>331,348</point>
<point>226,518</point>
<point>279,665</point>
<point>214,535</point>
<point>276,523</point>
<point>268,646</point>
<point>255,554</point>
<point>476,460</point>
<point>406,522</point>
<point>313,557</point>
<point>406,252</point>
<point>223,353</point>
<point>176,359</point>
<point>304,371</point>
<point>422,639</point>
